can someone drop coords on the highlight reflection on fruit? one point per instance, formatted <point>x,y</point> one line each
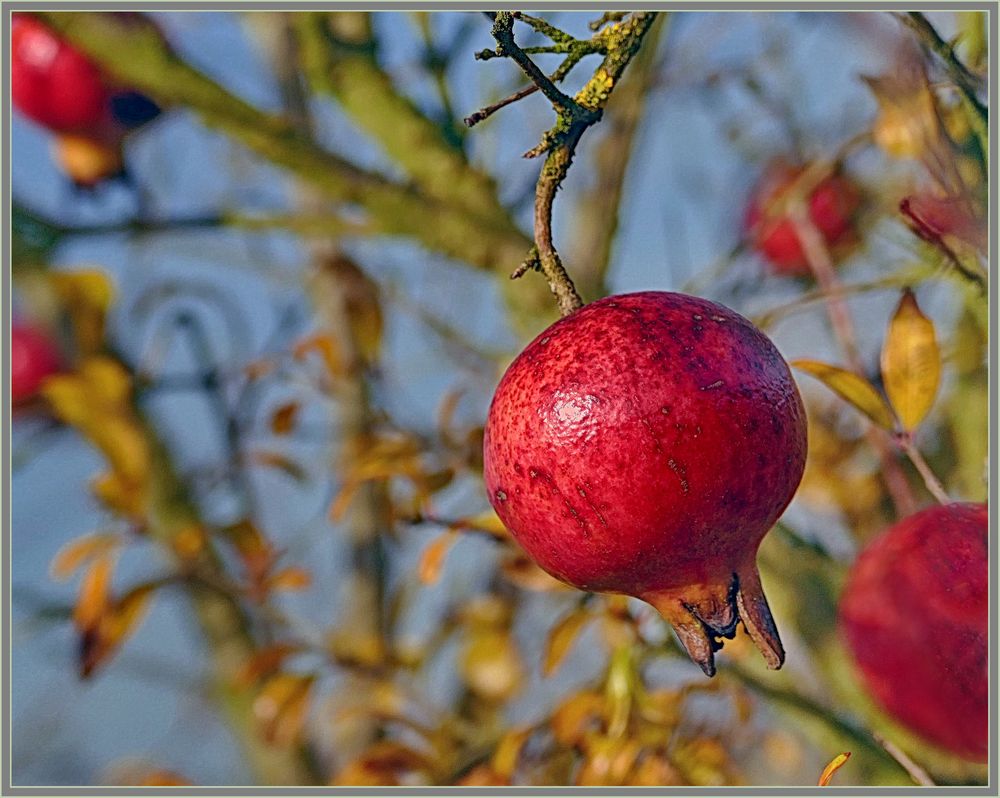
<point>644,445</point>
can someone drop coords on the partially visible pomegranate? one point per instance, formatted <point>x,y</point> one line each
<point>62,89</point>
<point>644,445</point>
<point>33,357</point>
<point>914,613</point>
<point>51,82</point>
<point>832,204</point>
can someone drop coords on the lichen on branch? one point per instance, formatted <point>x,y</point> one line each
<point>574,115</point>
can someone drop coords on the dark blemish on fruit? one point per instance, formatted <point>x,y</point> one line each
<point>649,428</point>
<point>592,506</point>
<point>665,411</point>
<point>518,469</point>
<point>681,473</point>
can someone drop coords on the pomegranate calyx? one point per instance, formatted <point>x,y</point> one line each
<point>704,615</point>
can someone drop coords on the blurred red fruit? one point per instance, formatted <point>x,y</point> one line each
<point>771,232</point>
<point>644,445</point>
<point>914,613</point>
<point>60,88</point>
<point>33,357</point>
<point>51,82</point>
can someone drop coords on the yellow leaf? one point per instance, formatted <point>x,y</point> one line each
<point>851,387</point>
<point>561,638</point>
<point>87,295</point>
<point>911,362</point>
<point>122,441</point>
<point>67,396</point>
<point>80,551</point>
<point>835,764</point>
<point>432,559</point>
<point>108,379</point>
<point>508,751</point>
<point>119,494</point>
<point>92,601</point>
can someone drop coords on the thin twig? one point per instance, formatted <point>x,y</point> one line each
<point>821,264</point>
<point>934,486</point>
<point>917,773</point>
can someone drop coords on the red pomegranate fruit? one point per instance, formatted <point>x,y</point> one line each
<point>644,445</point>
<point>62,89</point>
<point>914,613</point>
<point>33,357</point>
<point>51,82</point>
<point>831,205</point>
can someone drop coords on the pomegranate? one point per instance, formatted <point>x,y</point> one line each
<point>644,445</point>
<point>33,357</point>
<point>61,89</point>
<point>52,82</point>
<point>914,613</point>
<point>832,204</point>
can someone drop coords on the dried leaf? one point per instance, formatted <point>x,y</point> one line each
<point>835,764</point>
<point>508,751</point>
<point>264,662</point>
<point>851,387</point>
<point>79,552</point>
<point>127,614</point>
<point>432,559</point>
<point>92,601</point>
<point>328,349</point>
<point>292,578</point>
<point>279,461</point>
<point>281,706</point>
<point>561,637</point>
<point>283,419</point>
<point>911,362</point>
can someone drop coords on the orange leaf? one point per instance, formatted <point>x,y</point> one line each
<point>561,638</point>
<point>79,552</point>
<point>328,350</point>
<point>264,662</point>
<point>835,764</point>
<point>281,705</point>
<point>127,614</point>
<point>292,578</point>
<point>277,460</point>
<point>283,419</point>
<point>432,559</point>
<point>92,602</point>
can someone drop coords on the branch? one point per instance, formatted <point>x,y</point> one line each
<point>138,56</point>
<point>338,57</point>
<point>597,214</point>
<point>574,116</point>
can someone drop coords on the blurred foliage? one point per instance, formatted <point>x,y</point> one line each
<point>350,703</point>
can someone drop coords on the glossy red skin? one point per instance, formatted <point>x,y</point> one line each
<point>831,208</point>
<point>52,82</point>
<point>914,612</point>
<point>33,357</point>
<point>645,443</point>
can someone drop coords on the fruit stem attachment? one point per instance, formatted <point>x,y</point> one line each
<point>702,614</point>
